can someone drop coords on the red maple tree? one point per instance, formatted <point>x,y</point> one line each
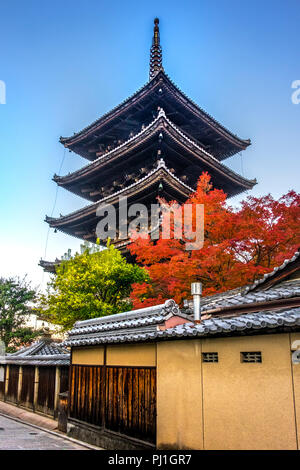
<point>240,245</point>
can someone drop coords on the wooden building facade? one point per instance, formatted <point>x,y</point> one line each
<point>34,376</point>
<point>153,378</point>
<point>155,143</point>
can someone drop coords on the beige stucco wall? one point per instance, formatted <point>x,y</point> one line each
<point>179,405</point>
<point>243,405</point>
<point>249,406</point>
<point>116,355</point>
<point>131,355</point>
<point>296,381</point>
<point>88,356</point>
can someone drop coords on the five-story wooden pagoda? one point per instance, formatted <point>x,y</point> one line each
<point>156,142</point>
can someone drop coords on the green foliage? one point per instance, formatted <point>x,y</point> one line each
<point>15,298</point>
<point>90,285</point>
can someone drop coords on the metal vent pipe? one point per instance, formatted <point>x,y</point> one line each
<point>196,291</point>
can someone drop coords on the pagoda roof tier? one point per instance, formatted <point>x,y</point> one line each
<point>185,156</point>
<point>138,109</point>
<point>82,223</point>
<point>49,266</point>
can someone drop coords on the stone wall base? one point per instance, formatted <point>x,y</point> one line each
<point>102,438</point>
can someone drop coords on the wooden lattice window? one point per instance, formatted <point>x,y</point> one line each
<point>210,357</point>
<point>251,356</point>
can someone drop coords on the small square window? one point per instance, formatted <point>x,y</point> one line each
<point>210,357</point>
<point>251,356</point>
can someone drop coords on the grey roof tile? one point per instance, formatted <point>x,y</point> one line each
<point>272,273</point>
<point>143,324</point>
<point>246,323</point>
<point>41,353</point>
<point>284,290</point>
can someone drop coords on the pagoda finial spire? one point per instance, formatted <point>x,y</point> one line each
<point>155,52</point>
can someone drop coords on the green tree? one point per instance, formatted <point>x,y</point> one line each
<point>90,285</point>
<point>16,295</point>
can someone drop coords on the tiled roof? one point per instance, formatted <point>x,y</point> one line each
<point>49,266</point>
<point>136,322</point>
<point>268,276</point>
<point>143,325</point>
<point>160,169</point>
<point>149,323</point>
<point>145,130</point>
<point>161,116</point>
<point>244,295</point>
<point>52,360</point>
<point>41,348</point>
<point>205,116</point>
<point>243,323</point>
<point>218,326</point>
<point>43,352</point>
<point>285,290</point>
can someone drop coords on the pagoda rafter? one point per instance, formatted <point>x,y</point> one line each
<point>186,154</point>
<point>155,143</point>
<point>159,182</point>
<point>159,92</point>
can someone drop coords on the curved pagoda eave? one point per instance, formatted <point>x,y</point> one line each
<point>103,169</point>
<point>49,266</point>
<point>82,223</point>
<point>159,91</point>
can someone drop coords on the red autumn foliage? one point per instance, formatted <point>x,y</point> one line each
<point>240,245</point>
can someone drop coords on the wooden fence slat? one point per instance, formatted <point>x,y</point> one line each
<point>124,423</point>
<point>46,390</point>
<point>2,381</point>
<point>13,378</point>
<point>27,388</point>
<point>123,399</point>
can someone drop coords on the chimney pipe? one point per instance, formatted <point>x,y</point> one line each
<point>196,290</point>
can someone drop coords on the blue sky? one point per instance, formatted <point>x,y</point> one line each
<point>66,63</point>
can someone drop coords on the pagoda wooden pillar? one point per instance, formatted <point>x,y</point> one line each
<point>36,387</point>
<point>20,383</point>
<point>6,381</point>
<point>57,388</point>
